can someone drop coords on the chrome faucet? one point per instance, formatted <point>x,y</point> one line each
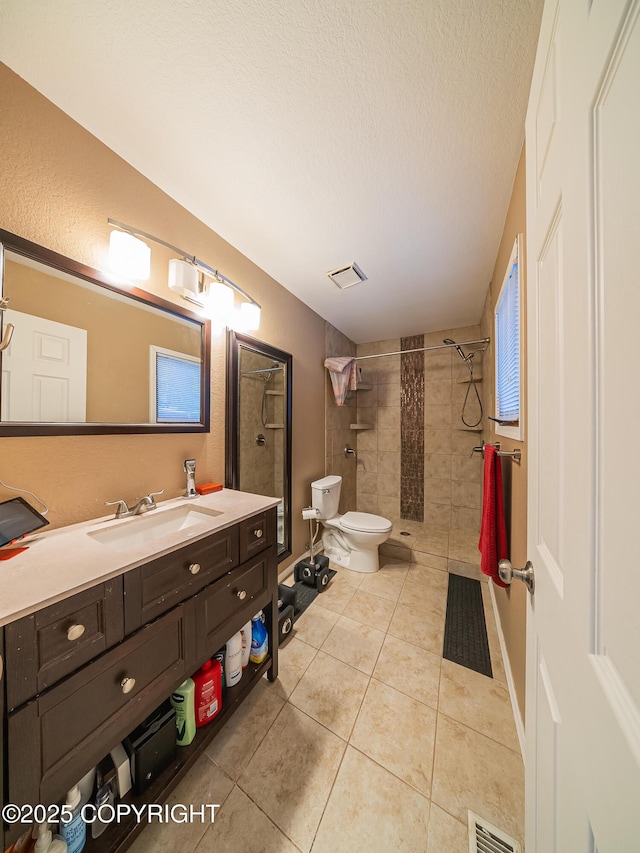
<point>143,505</point>
<point>190,468</point>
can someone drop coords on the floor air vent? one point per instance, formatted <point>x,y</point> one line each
<point>486,838</point>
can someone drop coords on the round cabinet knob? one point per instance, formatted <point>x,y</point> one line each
<point>75,632</point>
<point>258,533</point>
<point>127,684</point>
<point>242,594</point>
<point>194,568</point>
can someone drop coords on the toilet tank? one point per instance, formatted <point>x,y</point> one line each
<point>325,495</point>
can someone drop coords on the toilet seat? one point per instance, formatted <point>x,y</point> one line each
<point>365,522</point>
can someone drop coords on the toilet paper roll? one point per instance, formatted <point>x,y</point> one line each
<point>310,512</point>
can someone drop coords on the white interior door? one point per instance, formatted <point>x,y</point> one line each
<point>44,371</point>
<point>583,232</point>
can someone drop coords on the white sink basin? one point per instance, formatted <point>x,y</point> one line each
<point>145,529</point>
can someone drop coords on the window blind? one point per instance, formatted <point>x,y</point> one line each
<point>177,390</point>
<point>508,351</point>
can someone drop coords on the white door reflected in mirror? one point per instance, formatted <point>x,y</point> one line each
<point>44,371</point>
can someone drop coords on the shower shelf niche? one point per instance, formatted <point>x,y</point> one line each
<point>360,426</point>
<point>275,393</point>
<point>274,426</point>
<point>463,381</point>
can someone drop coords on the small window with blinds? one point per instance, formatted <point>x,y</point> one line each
<point>174,387</point>
<point>507,337</point>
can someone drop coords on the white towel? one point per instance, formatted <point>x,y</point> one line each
<point>344,376</point>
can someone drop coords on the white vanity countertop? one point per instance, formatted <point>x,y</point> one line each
<point>68,560</point>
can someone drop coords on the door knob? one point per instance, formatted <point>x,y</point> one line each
<point>508,573</point>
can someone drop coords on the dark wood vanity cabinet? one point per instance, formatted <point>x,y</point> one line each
<point>152,589</point>
<point>44,647</point>
<point>71,696</point>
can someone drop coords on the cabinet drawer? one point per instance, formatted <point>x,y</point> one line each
<point>154,588</point>
<point>48,645</point>
<point>66,731</point>
<point>225,606</point>
<point>257,534</point>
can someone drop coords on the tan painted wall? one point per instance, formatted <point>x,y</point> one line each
<point>119,335</point>
<point>58,186</point>
<point>511,602</point>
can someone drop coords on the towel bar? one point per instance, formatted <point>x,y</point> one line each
<point>516,454</point>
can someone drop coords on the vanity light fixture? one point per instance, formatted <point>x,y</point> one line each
<point>196,282</point>
<point>128,256</point>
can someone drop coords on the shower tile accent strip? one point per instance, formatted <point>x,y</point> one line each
<point>412,430</point>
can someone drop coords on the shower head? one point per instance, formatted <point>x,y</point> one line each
<point>457,346</point>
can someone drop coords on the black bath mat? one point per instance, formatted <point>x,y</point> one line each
<point>305,594</point>
<point>465,631</point>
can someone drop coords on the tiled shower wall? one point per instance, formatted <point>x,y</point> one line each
<point>452,477</point>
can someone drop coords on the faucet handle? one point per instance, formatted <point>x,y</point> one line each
<point>189,466</point>
<point>123,509</point>
<point>150,497</point>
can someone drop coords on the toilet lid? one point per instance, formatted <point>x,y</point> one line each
<point>365,522</point>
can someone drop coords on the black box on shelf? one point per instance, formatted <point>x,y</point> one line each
<point>152,746</point>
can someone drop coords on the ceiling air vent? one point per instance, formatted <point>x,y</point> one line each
<point>345,277</point>
<point>485,838</point>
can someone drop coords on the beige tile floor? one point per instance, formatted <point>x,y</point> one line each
<point>368,740</point>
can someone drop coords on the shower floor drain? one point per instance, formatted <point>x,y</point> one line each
<point>404,533</point>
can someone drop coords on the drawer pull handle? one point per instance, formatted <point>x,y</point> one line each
<point>194,568</point>
<point>242,594</point>
<point>75,632</point>
<point>127,684</point>
<point>258,533</point>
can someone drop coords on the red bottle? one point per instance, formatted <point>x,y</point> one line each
<point>208,692</point>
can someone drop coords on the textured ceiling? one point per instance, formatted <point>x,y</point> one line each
<point>310,134</point>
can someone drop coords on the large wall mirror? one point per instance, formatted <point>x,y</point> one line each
<point>89,356</point>
<point>259,425</point>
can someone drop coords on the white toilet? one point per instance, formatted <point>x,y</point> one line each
<point>350,540</point>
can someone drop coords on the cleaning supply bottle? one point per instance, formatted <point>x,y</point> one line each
<point>246,643</point>
<point>220,655</point>
<point>48,843</point>
<point>74,831</point>
<point>259,639</point>
<point>26,843</point>
<point>208,692</point>
<point>233,660</point>
<point>183,703</point>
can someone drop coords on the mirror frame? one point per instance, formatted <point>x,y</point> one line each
<point>232,468</point>
<point>35,252</point>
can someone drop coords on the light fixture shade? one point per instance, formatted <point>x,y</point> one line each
<point>218,303</point>
<point>128,256</point>
<point>249,316</point>
<point>183,278</point>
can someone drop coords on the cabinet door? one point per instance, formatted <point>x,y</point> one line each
<point>57,738</point>
<point>225,606</point>
<point>54,642</point>
<point>154,588</point>
<point>257,534</point>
